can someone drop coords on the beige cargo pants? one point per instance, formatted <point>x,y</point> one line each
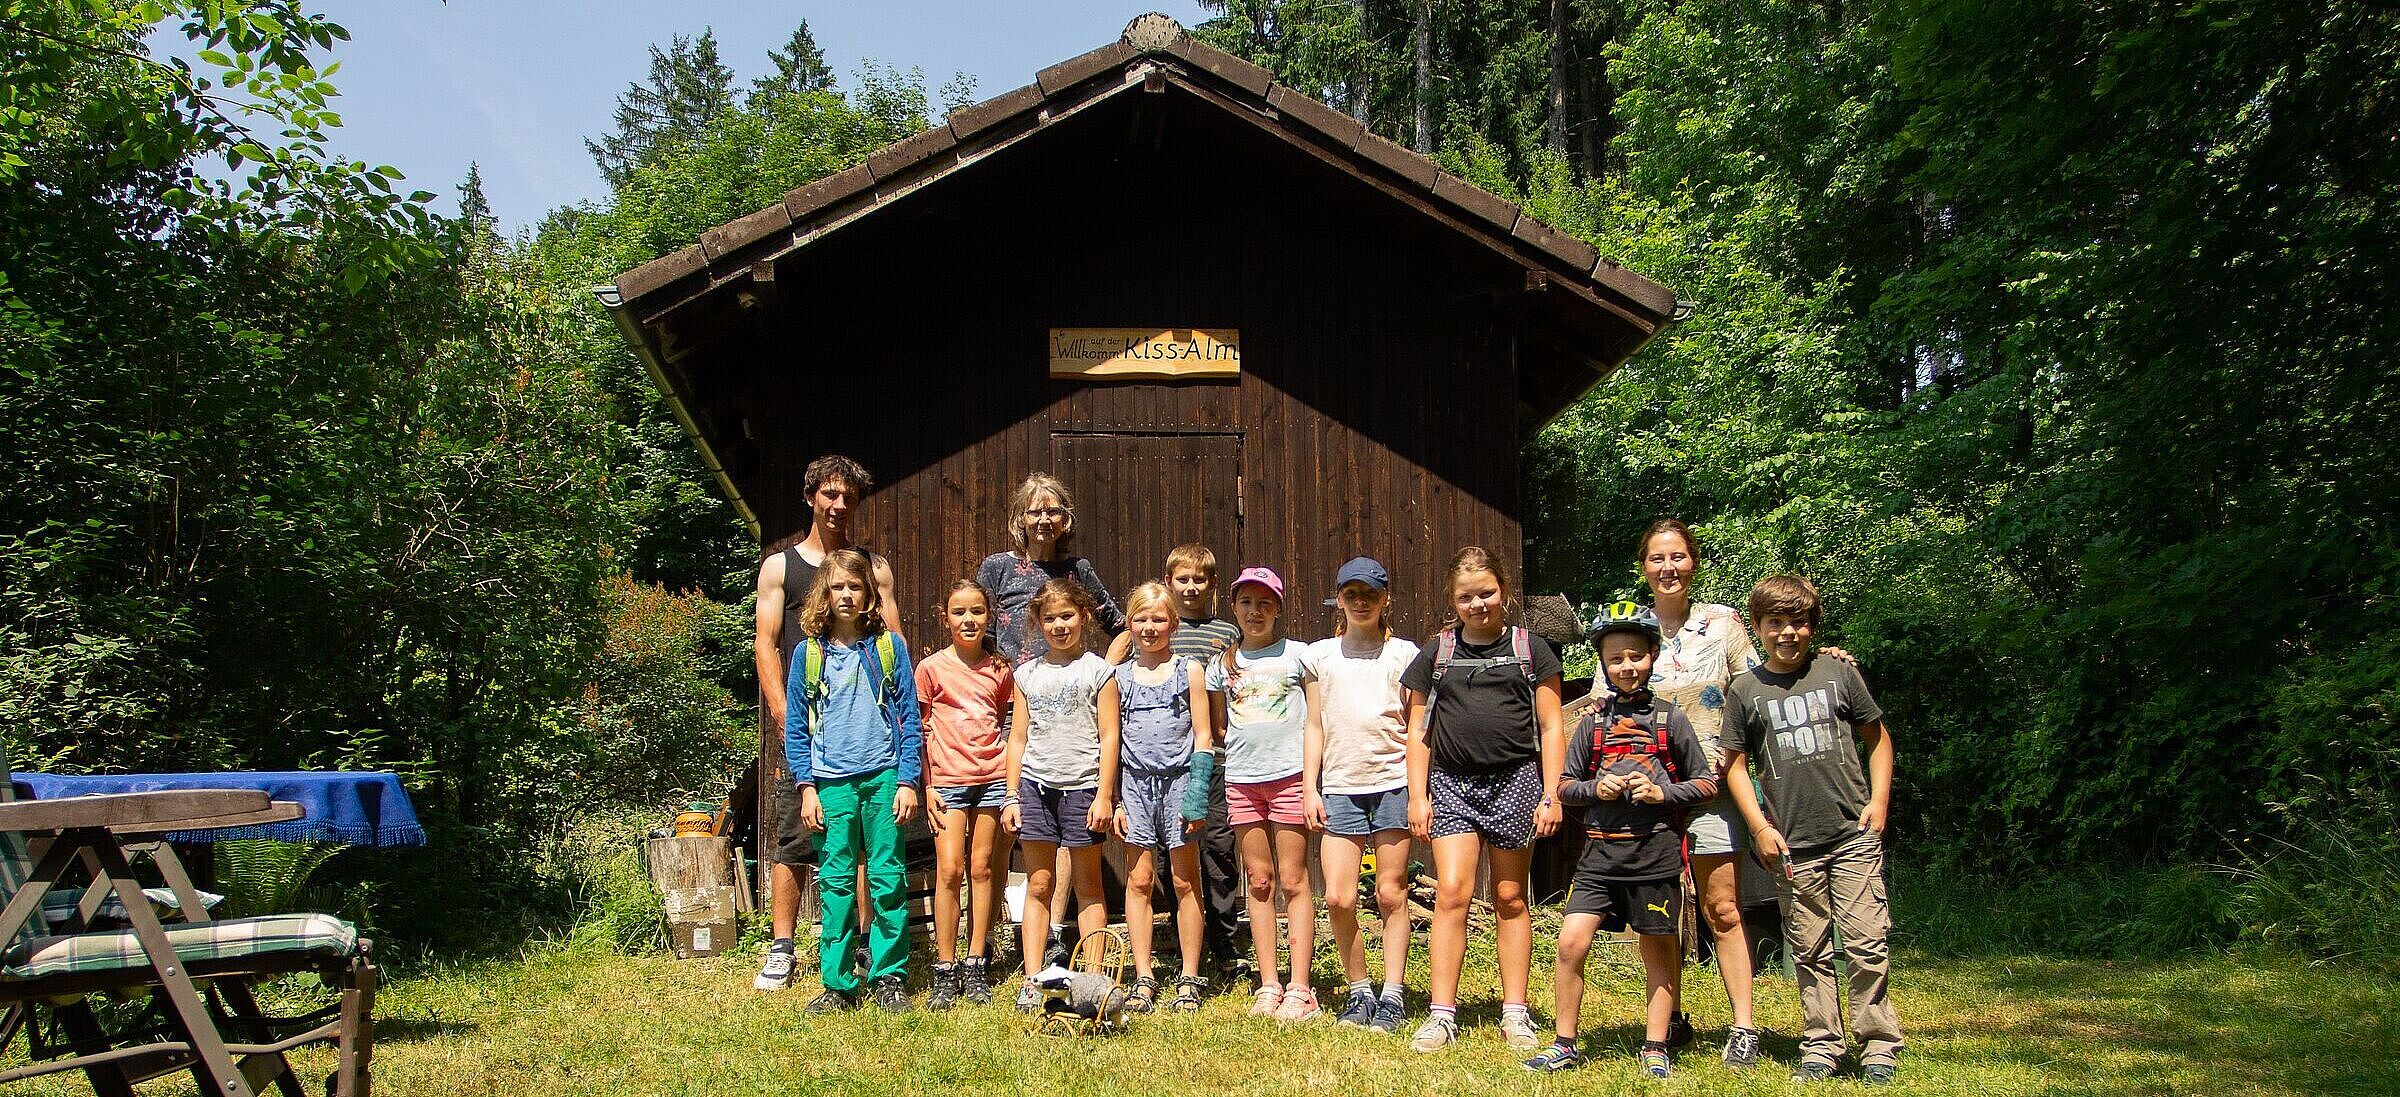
<point>1842,885</point>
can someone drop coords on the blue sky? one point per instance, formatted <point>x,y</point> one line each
<point>516,85</point>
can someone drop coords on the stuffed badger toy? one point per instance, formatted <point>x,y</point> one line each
<point>1083,994</point>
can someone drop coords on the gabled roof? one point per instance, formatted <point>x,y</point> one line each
<point>1587,314</point>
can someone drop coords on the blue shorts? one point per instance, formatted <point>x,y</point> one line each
<point>989,796</point>
<point>1054,816</point>
<point>1154,809</point>
<point>1360,814</point>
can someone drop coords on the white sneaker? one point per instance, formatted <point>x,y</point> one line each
<point>1436,1033</point>
<point>776,973</point>
<point>1517,1026</point>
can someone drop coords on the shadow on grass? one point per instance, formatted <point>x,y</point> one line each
<point>402,1030</point>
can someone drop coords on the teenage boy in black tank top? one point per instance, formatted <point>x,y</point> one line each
<point>834,486</point>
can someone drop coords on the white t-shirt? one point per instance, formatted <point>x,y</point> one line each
<point>1265,713</point>
<point>1062,708</point>
<point>1365,713</point>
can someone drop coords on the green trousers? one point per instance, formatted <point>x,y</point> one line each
<point>858,823</point>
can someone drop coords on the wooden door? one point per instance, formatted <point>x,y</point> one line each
<point>1139,495</point>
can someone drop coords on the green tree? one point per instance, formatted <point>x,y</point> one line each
<point>688,89</point>
<point>800,69</point>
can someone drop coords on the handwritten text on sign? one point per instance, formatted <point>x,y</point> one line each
<point>1144,354</point>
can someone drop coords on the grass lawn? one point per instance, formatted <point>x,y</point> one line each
<point>569,1022</point>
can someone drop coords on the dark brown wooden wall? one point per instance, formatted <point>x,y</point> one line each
<point>1375,407</point>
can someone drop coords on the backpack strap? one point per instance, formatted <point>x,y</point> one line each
<point>1445,649</point>
<point>812,680</point>
<point>1666,753</point>
<point>1520,644</point>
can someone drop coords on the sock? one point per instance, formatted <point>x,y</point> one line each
<point>1565,1044</point>
<point>1654,1045</point>
<point>945,967</point>
<point>1363,986</point>
<point>1509,1008</point>
<point>783,944</point>
<point>1391,992</point>
<point>1447,1013</point>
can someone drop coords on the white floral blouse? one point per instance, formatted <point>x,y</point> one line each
<point>1695,664</point>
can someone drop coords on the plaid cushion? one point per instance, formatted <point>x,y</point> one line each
<point>58,904</point>
<point>235,937</point>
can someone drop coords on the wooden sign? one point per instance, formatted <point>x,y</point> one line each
<point>1144,354</point>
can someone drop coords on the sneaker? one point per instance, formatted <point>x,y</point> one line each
<point>1029,998</point>
<point>1679,1029</point>
<point>776,972</point>
<point>1556,1057</point>
<point>945,989</point>
<point>1879,1074</point>
<point>975,981</point>
<point>1741,1048</point>
<point>832,1001</point>
<point>1813,1071</point>
<point>1056,954</point>
<point>1655,1062</point>
<point>1190,992</point>
<point>1436,1033</point>
<point>891,993</point>
<point>1517,1026</point>
<point>1358,1010</point>
<point>1389,1012</point>
<point>1299,1004</point>
<point>1268,1000</point>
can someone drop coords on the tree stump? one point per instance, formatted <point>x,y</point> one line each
<point>694,877</point>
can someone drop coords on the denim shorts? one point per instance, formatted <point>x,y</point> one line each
<point>988,796</point>
<point>1360,814</point>
<point>1054,816</point>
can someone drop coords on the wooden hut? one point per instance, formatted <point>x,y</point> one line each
<point>1218,309</point>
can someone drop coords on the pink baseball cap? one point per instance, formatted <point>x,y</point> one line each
<point>1264,577</point>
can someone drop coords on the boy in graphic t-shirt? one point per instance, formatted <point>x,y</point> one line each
<point>1807,722</point>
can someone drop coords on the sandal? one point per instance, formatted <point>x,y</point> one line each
<point>1189,991</point>
<point>1144,996</point>
<point>1266,1001</point>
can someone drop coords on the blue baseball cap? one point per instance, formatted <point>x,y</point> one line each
<point>1360,569</point>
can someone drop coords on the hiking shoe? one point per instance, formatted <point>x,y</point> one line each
<point>891,993</point>
<point>1879,1074</point>
<point>1655,1062</point>
<point>1389,1012</point>
<point>1556,1057</point>
<point>1679,1029</point>
<point>1436,1033</point>
<point>776,972</point>
<point>1056,954</point>
<point>1517,1026</point>
<point>1741,1048</point>
<point>1813,1071</point>
<point>1190,991</point>
<point>832,1001</point>
<point>1266,1001</point>
<point>1029,997</point>
<point>1357,1010</point>
<point>1299,1004</point>
<point>944,992</point>
<point>975,981</point>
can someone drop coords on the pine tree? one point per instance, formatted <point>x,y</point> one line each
<point>475,211</point>
<point>799,68</point>
<point>688,88</point>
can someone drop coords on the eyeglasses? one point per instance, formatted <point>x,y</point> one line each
<point>1052,513</point>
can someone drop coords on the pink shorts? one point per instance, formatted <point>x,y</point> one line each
<point>1266,802</point>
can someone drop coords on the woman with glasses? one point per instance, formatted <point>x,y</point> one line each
<point>1042,523</point>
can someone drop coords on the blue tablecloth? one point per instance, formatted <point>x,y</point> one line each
<point>359,809</point>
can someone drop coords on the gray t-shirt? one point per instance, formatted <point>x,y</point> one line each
<point>1062,708</point>
<point>1801,730</point>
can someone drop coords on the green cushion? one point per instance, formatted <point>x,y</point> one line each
<point>82,953</point>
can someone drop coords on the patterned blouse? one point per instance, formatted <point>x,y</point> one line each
<point>1695,664</point>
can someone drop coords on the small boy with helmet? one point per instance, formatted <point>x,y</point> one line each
<point>1633,765</point>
